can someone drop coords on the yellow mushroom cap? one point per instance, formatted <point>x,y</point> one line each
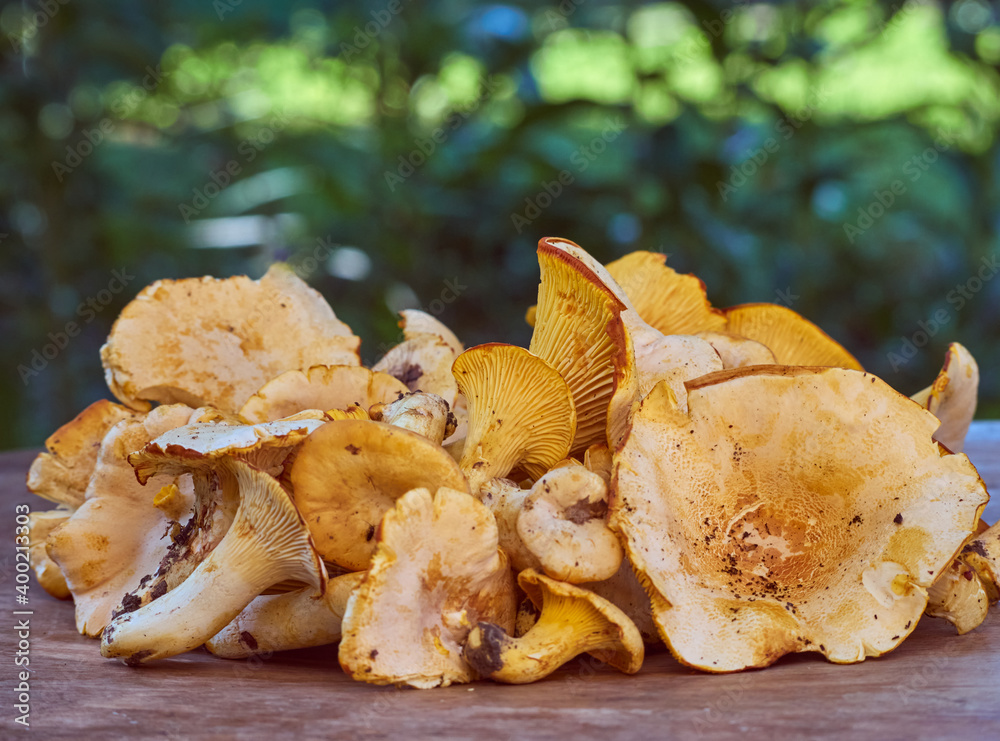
<point>61,475</point>
<point>40,526</point>
<point>422,363</point>
<point>349,473</point>
<point>790,509</point>
<point>320,387</point>
<point>575,309</point>
<point>959,596</point>
<point>117,536</point>
<point>793,339</point>
<point>208,341</point>
<point>521,412</point>
<point>437,571</point>
<point>952,397</point>
<point>738,352</point>
<point>668,301</point>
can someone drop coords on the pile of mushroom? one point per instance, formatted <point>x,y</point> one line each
<point>730,483</point>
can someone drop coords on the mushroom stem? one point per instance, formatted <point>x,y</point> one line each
<point>268,543</point>
<point>572,621</point>
<point>282,622</point>
<point>563,631</point>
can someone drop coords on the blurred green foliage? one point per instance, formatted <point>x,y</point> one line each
<point>420,143</point>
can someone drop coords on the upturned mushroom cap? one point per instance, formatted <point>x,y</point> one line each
<point>40,526</point>
<point>625,591</point>
<point>958,596</point>
<point>422,363</point>
<point>790,509</point>
<point>436,573</point>
<point>425,414</point>
<point>670,302</point>
<point>283,622</point>
<point>982,553</point>
<point>320,387</point>
<point>573,620</point>
<point>349,473</point>
<point>598,458</point>
<point>117,536</point>
<point>268,544</point>
<point>207,341</point>
<point>416,323</point>
<point>562,523</point>
<point>952,397</point>
<point>793,339</point>
<point>736,351</point>
<point>61,475</point>
<point>521,412</point>
<point>575,309</point>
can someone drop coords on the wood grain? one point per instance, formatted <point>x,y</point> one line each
<point>935,685</point>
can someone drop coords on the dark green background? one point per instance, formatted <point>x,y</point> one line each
<point>309,111</point>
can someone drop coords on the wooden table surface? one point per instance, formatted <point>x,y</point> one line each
<point>935,685</point>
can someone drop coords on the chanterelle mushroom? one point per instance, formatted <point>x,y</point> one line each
<point>425,414</point>
<point>790,509</point>
<point>203,341</point>
<point>349,473</point>
<point>572,621</point>
<point>423,359</point>
<point>952,397</point>
<point>117,536</point>
<point>562,522</point>
<point>320,387</point>
<point>736,351</point>
<point>521,412</point>
<point>437,571</point>
<point>793,339</point>
<point>267,544</point>
<point>282,622</point>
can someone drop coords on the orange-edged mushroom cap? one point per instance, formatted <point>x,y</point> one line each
<point>668,301</point>
<point>320,387</point>
<point>521,412</point>
<point>61,475</point>
<point>349,473</point>
<point>437,571</point>
<point>204,341</point>
<point>738,352</point>
<point>793,339</point>
<point>575,308</point>
<point>952,397</point>
<point>118,536</point>
<point>789,509</point>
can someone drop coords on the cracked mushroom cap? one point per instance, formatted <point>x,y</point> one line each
<point>320,387</point>
<point>201,445</point>
<point>521,412</point>
<point>668,301</point>
<point>118,535</point>
<point>205,341</point>
<point>792,338</point>
<point>736,351</point>
<point>437,571</point>
<point>562,522</point>
<point>790,509</point>
<point>576,309</point>
<point>349,473</point>
<point>62,474</point>
<point>572,621</point>
<point>952,397</point>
